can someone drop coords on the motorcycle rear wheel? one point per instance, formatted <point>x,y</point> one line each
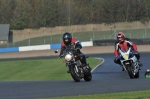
<point>88,76</point>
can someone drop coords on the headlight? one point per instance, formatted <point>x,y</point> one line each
<point>126,56</point>
<point>68,57</point>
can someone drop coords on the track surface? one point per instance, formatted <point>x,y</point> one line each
<point>107,78</point>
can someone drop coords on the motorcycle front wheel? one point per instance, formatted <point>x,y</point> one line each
<point>131,75</point>
<point>74,74</point>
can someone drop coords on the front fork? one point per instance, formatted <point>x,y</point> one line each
<point>134,67</point>
<point>70,64</point>
<point>78,70</point>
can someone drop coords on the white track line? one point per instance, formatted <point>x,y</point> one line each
<point>98,64</point>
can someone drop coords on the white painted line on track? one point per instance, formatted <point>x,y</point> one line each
<point>98,64</point>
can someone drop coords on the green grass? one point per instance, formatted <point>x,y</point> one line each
<point>121,95</point>
<point>44,69</point>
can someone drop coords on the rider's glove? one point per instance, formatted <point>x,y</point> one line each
<point>61,55</point>
<point>136,52</point>
<point>72,47</point>
<point>117,57</point>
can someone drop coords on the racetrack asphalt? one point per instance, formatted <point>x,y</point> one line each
<point>107,78</point>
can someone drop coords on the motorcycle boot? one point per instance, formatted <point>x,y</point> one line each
<point>140,64</point>
<point>86,67</point>
<point>68,71</point>
<point>121,67</point>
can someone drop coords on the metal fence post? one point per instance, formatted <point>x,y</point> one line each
<point>130,33</point>
<point>72,32</point>
<point>93,34</point>
<point>29,42</point>
<point>145,31</point>
<point>114,32</point>
<point>51,39</point>
<point>111,29</point>
<point>14,44</point>
<point>44,40</point>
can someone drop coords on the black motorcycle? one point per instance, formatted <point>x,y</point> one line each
<point>74,65</point>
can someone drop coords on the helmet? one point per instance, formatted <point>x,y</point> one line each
<point>67,38</point>
<point>120,37</point>
<point>147,73</point>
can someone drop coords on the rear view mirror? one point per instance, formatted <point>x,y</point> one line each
<point>56,51</point>
<point>87,56</point>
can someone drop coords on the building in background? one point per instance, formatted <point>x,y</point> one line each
<point>5,34</point>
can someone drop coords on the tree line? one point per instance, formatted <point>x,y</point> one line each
<point>21,14</point>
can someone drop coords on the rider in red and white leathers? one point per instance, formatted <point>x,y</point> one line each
<point>124,43</point>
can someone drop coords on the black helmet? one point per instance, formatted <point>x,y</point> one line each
<point>67,38</point>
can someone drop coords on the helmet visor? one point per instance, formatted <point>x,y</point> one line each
<point>120,38</point>
<point>66,39</point>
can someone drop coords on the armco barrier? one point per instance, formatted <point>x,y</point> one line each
<point>55,46</point>
<point>12,49</point>
<point>89,43</point>
<point>39,47</point>
<point>36,47</point>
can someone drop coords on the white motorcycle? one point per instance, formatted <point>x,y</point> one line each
<point>129,62</point>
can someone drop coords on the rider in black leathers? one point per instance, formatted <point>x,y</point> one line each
<point>73,43</point>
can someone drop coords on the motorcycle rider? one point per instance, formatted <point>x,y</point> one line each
<point>73,43</point>
<point>123,43</point>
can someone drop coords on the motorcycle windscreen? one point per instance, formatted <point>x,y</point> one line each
<point>125,53</point>
<point>131,55</point>
<point>127,56</point>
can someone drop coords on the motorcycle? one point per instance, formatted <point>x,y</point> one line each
<point>74,65</point>
<point>129,62</point>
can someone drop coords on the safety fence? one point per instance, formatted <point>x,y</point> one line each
<point>58,45</point>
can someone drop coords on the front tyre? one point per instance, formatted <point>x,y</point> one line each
<point>88,76</point>
<point>131,75</point>
<point>137,75</point>
<point>74,74</point>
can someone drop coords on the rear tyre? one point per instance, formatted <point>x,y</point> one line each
<point>88,76</point>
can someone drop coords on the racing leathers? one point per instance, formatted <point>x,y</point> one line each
<point>75,44</point>
<point>124,45</point>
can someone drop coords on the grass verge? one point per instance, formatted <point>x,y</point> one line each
<point>44,69</point>
<point>121,95</point>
